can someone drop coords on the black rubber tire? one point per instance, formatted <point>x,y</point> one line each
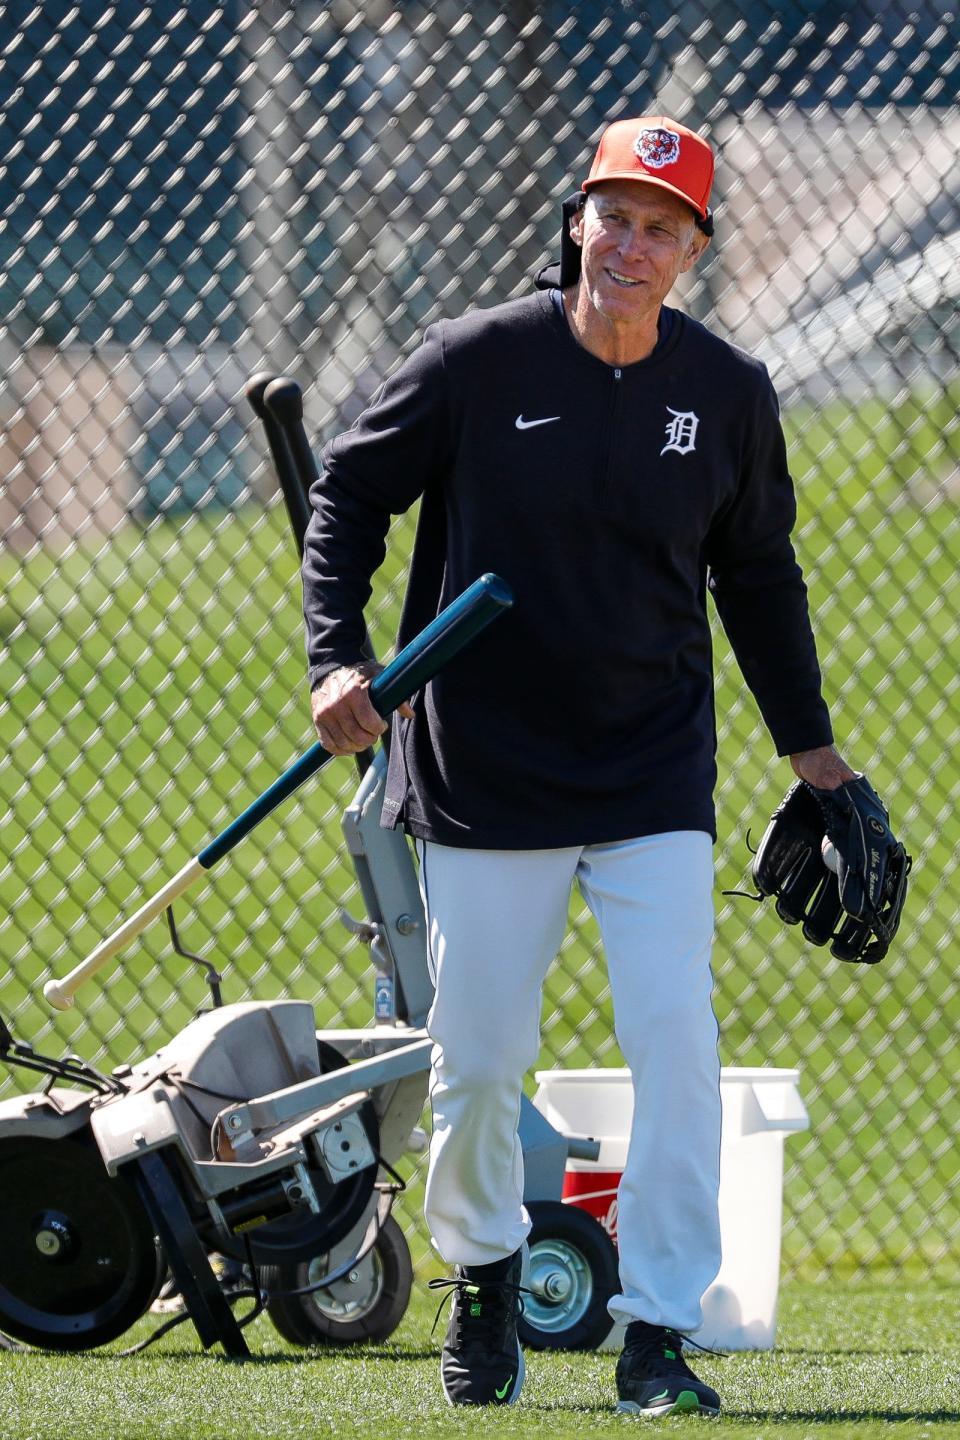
<point>109,1268</point>
<point>309,1319</point>
<point>578,1248</point>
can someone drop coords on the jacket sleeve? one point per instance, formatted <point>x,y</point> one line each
<point>759,590</point>
<point>376,469</point>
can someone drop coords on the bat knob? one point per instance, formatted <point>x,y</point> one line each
<point>56,996</point>
<point>254,390</point>
<point>284,399</point>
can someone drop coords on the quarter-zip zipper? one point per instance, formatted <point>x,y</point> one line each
<point>605,477</point>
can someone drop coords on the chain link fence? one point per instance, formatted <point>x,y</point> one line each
<point>191,194</point>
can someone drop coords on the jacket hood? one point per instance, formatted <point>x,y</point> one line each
<point>567,272</point>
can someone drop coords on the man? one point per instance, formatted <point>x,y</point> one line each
<point>612,460</point>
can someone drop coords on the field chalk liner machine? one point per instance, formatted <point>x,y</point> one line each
<point>253,1136</point>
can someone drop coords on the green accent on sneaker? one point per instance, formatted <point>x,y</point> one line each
<point>670,1354</point>
<point>686,1400</point>
<point>502,1394</point>
<point>654,1398</point>
<point>475,1308</point>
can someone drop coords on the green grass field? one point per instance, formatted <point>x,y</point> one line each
<point>152,684</point>
<point>848,1366</point>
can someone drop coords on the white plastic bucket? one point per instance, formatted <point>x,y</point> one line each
<point>760,1107</point>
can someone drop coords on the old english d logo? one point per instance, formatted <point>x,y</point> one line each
<point>681,432</point>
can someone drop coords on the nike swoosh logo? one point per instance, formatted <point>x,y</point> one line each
<point>500,1394</point>
<point>522,424</point>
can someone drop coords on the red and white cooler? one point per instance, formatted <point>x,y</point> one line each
<point>760,1107</point>
<point>592,1184</point>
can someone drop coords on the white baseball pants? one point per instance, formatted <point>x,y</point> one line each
<point>496,919</point>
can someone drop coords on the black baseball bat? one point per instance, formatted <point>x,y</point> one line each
<point>279,403</point>
<point>294,481</point>
<point>284,401</point>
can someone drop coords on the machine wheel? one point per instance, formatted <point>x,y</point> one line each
<point>304,1235</point>
<point>573,1273</point>
<point>78,1260</point>
<point>367,1304</point>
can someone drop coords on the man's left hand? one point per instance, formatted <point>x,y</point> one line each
<point>824,768</point>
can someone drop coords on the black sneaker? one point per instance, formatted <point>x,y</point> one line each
<point>482,1363</point>
<point>654,1379</point>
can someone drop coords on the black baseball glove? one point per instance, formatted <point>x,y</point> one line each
<point>858,905</point>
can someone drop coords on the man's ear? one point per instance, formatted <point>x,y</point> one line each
<point>698,245</point>
<point>576,227</point>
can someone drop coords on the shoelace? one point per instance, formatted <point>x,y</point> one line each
<point>704,1349</point>
<point>668,1346</point>
<point>485,1324</point>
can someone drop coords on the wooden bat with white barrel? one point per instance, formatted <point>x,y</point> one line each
<point>417,663</point>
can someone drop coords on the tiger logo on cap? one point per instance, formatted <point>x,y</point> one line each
<point>657,147</point>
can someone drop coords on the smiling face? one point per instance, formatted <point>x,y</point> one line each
<point>636,239</point>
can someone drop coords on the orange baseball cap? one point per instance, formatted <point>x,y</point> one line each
<point>659,151</point>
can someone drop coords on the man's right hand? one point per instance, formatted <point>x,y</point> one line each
<point>343,712</point>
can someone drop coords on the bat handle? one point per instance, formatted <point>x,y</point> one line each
<point>278,401</point>
<point>285,445</point>
<point>60,993</point>
<point>283,400</point>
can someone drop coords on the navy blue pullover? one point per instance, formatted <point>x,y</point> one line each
<point>584,715</point>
